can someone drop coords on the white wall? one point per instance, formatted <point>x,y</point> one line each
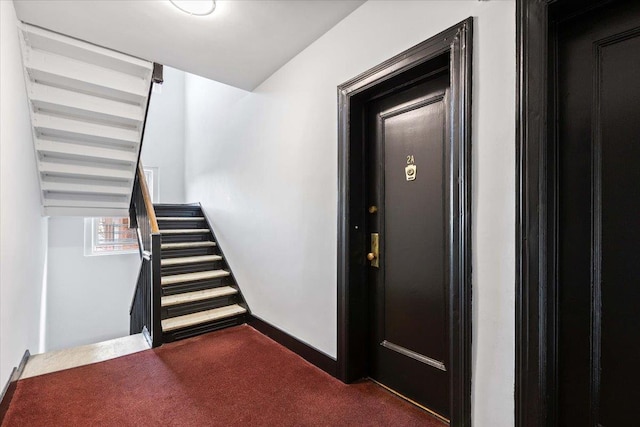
<point>264,165</point>
<point>88,297</point>
<point>23,231</point>
<point>163,145</point>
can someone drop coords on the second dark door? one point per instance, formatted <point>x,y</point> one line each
<point>598,217</point>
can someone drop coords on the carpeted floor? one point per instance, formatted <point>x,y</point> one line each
<point>234,377</point>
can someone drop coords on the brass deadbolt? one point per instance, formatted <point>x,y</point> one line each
<point>373,209</point>
<point>374,255</point>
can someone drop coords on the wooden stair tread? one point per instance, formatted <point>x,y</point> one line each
<point>189,260</point>
<point>184,245</point>
<point>185,231</point>
<point>180,218</point>
<point>191,277</point>
<point>193,319</point>
<point>198,295</point>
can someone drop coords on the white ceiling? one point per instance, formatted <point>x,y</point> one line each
<point>241,43</point>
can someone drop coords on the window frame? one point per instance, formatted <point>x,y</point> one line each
<point>91,236</point>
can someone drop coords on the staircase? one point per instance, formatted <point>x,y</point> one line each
<point>199,294</point>
<point>88,108</point>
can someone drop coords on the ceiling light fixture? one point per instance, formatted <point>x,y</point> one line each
<point>195,7</point>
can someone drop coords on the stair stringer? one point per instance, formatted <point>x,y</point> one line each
<point>232,277</point>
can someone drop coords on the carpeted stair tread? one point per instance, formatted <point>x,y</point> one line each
<point>192,319</point>
<point>185,231</point>
<point>198,295</point>
<point>185,245</point>
<point>180,218</point>
<point>190,260</point>
<point>192,277</point>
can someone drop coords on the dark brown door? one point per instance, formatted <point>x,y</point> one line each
<point>408,198</point>
<point>598,227</point>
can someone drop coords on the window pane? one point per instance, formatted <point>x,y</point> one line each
<point>114,235</point>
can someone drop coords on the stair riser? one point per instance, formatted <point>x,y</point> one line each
<point>192,268</point>
<point>182,211</point>
<point>169,225</point>
<point>196,286</point>
<point>203,328</point>
<point>174,253</point>
<point>192,307</point>
<point>181,238</point>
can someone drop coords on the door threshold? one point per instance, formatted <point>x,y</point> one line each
<point>413,402</point>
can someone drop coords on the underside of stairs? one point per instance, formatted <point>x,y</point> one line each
<point>88,107</point>
<point>199,292</point>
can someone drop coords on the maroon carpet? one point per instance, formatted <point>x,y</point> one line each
<point>236,376</point>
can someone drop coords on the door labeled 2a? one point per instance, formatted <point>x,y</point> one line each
<point>408,220</point>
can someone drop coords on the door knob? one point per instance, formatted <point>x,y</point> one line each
<point>371,256</point>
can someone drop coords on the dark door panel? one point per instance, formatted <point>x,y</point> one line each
<point>598,280</point>
<point>409,182</point>
<point>619,242</point>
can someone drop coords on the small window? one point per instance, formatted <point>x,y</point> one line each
<point>112,235</point>
<point>107,235</point>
